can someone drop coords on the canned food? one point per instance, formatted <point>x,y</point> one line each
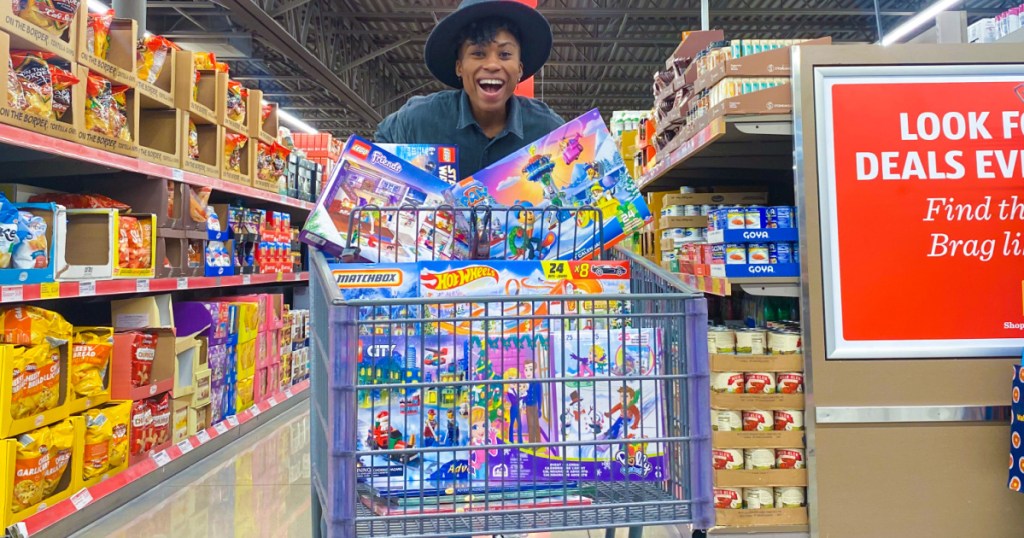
<point>758,459</point>
<point>758,498</point>
<point>735,254</point>
<point>727,458</point>
<point>796,252</point>
<point>692,233</point>
<point>781,216</point>
<point>721,340</point>
<point>727,382</point>
<point>754,218</point>
<point>789,420</point>
<point>789,458</point>
<point>759,383</point>
<point>757,253</point>
<point>790,497</point>
<point>674,211</point>
<point>735,218</point>
<point>686,190</point>
<point>790,382</point>
<point>691,211</point>
<point>758,421</point>
<point>726,421</point>
<point>706,210</point>
<point>717,254</point>
<point>750,342</point>
<point>666,234</point>
<point>728,498</point>
<point>780,253</point>
<point>783,342</point>
<point>669,255</point>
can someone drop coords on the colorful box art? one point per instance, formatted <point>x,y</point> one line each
<point>574,166</point>
<point>440,161</point>
<point>370,176</point>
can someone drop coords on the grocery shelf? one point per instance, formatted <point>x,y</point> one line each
<point>781,286</point>
<point>90,504</point>
<point>21,138</point>
<point>767,531</point>
<point>747,142</point>
<point>1016,36</point>
<point>89,288</point>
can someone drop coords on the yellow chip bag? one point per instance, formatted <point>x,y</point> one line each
<point>99,434</point>
<point>33,361</point>
<point>90,355</point>
<point>49,380</point>
<point>29,466</point>
<point>62,437</point>
<point>19,408</point>
<point>120,416</point>
<point>32,326</point>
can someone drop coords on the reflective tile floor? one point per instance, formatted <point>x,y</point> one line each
<point>257,487</point>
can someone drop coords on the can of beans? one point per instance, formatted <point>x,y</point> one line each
<point>727,382</point>
<point>789,420</point>
<point>790,382</point>
<point>789,458</point>
<point>758,421</point>
<point>721,340</point>
<point>728,498</point>
<point>759,383</point>
<point>729,459</point>
<point>726,421</point>
<point>758,498</point>
<point>790,497</point>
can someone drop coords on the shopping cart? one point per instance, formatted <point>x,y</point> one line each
<point>356,494</point>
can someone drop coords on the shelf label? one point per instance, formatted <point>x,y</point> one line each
<point>13,294</point>
<point>185,446</point>
<point>182,283</point>
<point>288,393</point>
<point>233,421</point>
<point>87,288</point>
<point>177,174</point>
<point>81,499</point>
<point>283,198</point>
<point>221,428</point>
<point>142,285</point>
<point>254,410</point>
<point>203,437</point>
<point>272,401</point>
<point>280,277</point>
<point>49,290</point>
<point>161,458</point>
<point>246,280</point>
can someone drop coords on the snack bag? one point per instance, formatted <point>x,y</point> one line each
<point>233,146</point>
<point>204,61</point>
<point>195,256</point>
<point>129,236</point>
<point>236,100</point>
<point>15,94</point>
<point>271,161</point>
<point>100,107</point>
<point>120,113</point>
<point>10,232</point>
<point>99,434</point>
<point>62,438</point>
<point>120,418</point>
<point>143,253</point>
<point>47,393</point>
<point>151,53</point>
<point>33,326</point>
<point>142,427</point>
<point>31,252</point>
<point>54,16</point>
<point>90,356</point>
<point>33,74</point>
<point>97,33</point>
<point>170,198</point>
<point>19,405</point>
<point>160,407</point>
<point>80,201</point>
<point>222,67</point>
<point>143,354</point>
<point>193,141</point>
<point>62,80</point>
<point>198,198</point>
<point>265,112</point>
<point>32,359</point>
<point>29,466</point>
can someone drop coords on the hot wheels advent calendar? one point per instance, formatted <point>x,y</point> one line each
<point>576,165</point>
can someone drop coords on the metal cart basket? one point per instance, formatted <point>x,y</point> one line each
<point>372,478</point>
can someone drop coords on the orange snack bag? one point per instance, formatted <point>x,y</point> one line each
<point>32,326</point>
<point>29,466</point>
<point>62,439</point>
<point>90,356</point>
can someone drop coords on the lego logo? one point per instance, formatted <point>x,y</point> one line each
<point>447,155</point>
<point>361,149</point>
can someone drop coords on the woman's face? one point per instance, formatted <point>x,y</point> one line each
<point>490,71</point>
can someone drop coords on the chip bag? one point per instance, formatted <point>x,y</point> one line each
<point>62,438</point>
<point>10,231</point>
<point>15,94</point>
<point>198,198</point>
<point>233,145</point>
<point>33,74</point>
<point>19,405</point>
<point>62,80</point>
<point>33,326</point>
<point>97,33</point>
<point>54,16</point>
<point>193,141</point>
<point>204,61</point>
<point>30,464</point>
<point>129,234</point>
<point>99,436</point>
<point>151,54</point>
<point>143,355</point>
<point>272,162</point>
<point>221,67</point>
<point>265,112</point>
<point>90,357</point>
<point>120,113</point>
<point>237,95</point>
<point>47,392</point>
<point>31,252</point>
<point>100,107</point>
<point>143,253</point>
<point>160,407</point>
<point>80,201</point>
<point>120,416</point>
<point>142,427</point>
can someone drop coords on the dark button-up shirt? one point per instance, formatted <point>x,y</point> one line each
<point>445,118</point>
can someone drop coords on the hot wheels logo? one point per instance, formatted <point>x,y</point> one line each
<point>458,278</point>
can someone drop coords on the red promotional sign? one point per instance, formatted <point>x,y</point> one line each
<point>922,182</point>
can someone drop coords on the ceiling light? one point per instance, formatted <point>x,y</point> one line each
<point>98,7</point>
<point>295,122</point>
<point>917,21</point>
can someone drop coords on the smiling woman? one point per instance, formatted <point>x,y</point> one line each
<point>483,50</point>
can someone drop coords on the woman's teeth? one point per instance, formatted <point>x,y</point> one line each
<point>491,85</point>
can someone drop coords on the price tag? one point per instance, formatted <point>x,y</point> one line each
<point>280,277</point>
<point>177,175</point>
<point>185,446</point>
<point>283,198</point>
<point>246,280</point>
<point>233,421</point>
<point>272,401</point>
<point>254,410</point>
<point>13,294</point>
<point>288,393</point>
<point>221,428</point>
<point>87,288</point>
<point>182,283</point>
<point>142,285</point>
<point>49,290</point>
<point>81,499</point>
<point>161,458</point>
<point>203,437</point>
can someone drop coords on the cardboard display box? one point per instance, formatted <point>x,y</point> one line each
<point>778,439</point>
<point>253,122</point>
<point>246,163</point>
<point>160,141</point>
<point>759,518</point>
<point>198,419</point>
<point>773,63</point>
<point>262,148</point>
<point>119,66</point>
<point>211,147</point>
<point>768,478</point>
<point>122,386</point>
<point>68,484</point>
<point>179,419</point>
<point>163,198</point>
<point>9,426</point>
<point>91,249</point>
<point>222,117</point>
<point>159,95</point>
<point>194,244</point>
<point>188,223</point>
<point>99,140</point>
<point>765,402</point>
<point>171,253</point>
<point>186,364</point>
<point>155,312</point>
<point>719,198</point>
<point>67,127</point>
<point>269,127</point>
<point>201,394</point>
<point>56,231</point>
<point>206,106</point>
<point>665,223</point>
<point>28,36</point>
<point>124,409</point>
<point>756,363</point>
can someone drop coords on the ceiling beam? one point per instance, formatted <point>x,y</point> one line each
<point>427,14</point>
<point>379,52</point>
<point>294,4</point>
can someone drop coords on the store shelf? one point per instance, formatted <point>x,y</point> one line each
<point>771,286</point>
<point>20,138</point>
<point>90,504</point>
<point>761,531</point>
<point>780,439</point>
<point>767,235</point>
<point>750,142</point>
<point>91,288</point>
<point>1016,36</point>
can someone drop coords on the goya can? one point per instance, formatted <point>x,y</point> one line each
<point>754,218</point>
<point>789,420</point>
<point>750,342</point>
<point>758,459</point>
<point>759,498</point>
<point>758,421</point>
<point>727,382</point>
<point>726,420</point>
<point>781,216</point>
<point>780,253</point>
<point>718,254</point>
<point>736,254</point>
<point>759,383</point>
<point>729,459</point>
<point>735,218</point>
<point>691,210</point>
<point>789,382</point>
<point>790,497</point>
<point>757,253</point>
<point>728,498</point>
<point>789,458</point>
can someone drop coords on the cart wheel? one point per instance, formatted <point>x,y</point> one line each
<point>700,534</point>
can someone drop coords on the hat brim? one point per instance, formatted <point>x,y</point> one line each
<point>440,52</point>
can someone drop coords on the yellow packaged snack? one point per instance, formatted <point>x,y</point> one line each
<point>233,146</point>
<point>54,16</point>
<point>32,326</point>
<point>193,142</point>
<point>120,417</point>
<point>29,467</point>
<point>90,355</point>
<point>33,361</point>
<point>19,407</point>
<point>62,438</point>
<point>48,396</point>
<point>99,435</point>
<point>151,54</point>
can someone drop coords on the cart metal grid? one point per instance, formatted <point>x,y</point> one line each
<point>347,506</point>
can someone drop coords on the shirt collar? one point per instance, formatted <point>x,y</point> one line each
<point>515,117</point>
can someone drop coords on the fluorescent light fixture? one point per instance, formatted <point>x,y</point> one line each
<point>917,21</point>
<point>98,7</point>
<point>295,122</point>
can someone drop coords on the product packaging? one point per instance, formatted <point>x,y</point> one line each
<point>440,161</point>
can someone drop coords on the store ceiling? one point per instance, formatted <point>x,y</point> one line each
<point>343,64</point>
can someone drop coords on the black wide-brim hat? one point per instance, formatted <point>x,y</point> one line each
<point>441,50</point>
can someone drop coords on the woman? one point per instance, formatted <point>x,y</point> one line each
<point>482,50</point>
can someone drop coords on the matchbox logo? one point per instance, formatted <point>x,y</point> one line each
<point>360,149</point>
<point>458,278</point>
<point>382,278</point>
<point>447,155</point>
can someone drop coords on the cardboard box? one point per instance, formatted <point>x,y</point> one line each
<point>768,478</point>
<point>198,419</point>
<point>163,198</point>
<point>244,391</point>
<point>159,139</point>
<point>261,385</point>
<point>211,147</point>
<point>67,127</point>
<point>140,313</point>
<point>186,364</point>
<point>90,244</point>
<point>171,253</point>
<point>253,122</point>
<point>761,518</point>
<point>202,383</point>
<point>665,223</point>
<point>246,358</point>
<point>765,402</point>
<point>56,231</point>
<point>67,485</point>
<point>119,65</point>
<point>204,107</point>
<point>773,63</point>
<point>262,150</point>
<point>756,363</point>
<point>242,126</point>
<point>782,439</point>
<point>28,36</point>
<point>103,141</point>
<point>246,161</point>
<point>179,419</point>
<point>119,408</point>
<point>270,126</point>
<point>440,161</point>
<point>20,193</point>
<point>722,198</point>
<point>122,386</point>
<point>159,95</point>
<point>9,426</point>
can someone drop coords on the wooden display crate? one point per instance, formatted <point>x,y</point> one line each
<point>756,363</point>
<point>67,127</point>
<point>27,36</point>
<point>119,65</point>
<point>159,95</point>
<point>211,147</point>
<point>101,140</point>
